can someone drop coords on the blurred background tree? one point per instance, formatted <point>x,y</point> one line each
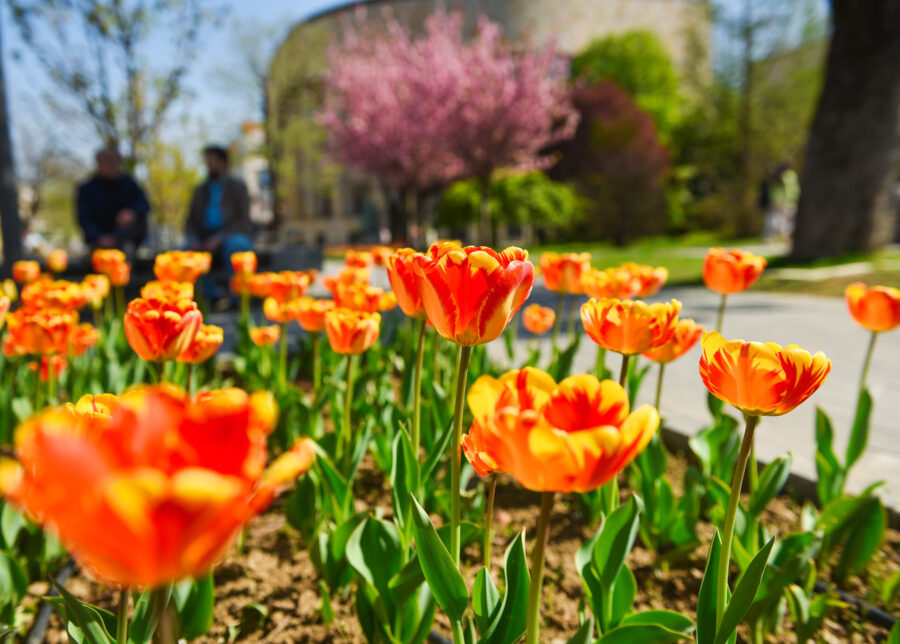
<point>170,182</point>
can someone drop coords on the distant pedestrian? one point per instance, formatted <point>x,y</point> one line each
<point>112,208</point>
<point>219,218</point>
<point>779,195</point>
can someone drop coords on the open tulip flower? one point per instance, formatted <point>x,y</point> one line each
<point>630,327</point>
<point>285,286</point>
<point>351,332</point>
<point>651,279</point>
<point>96,289</point>
<point>182,265</point>
<point>93,406</point>
<point>159,330</point>
<point>244,262</point>
<point>538,319</point>
<point>562,272</point>
<point>610,282</point>
<point>401,271</point>
<point>359,258</point>
<point>686,334</point>
<point>279,312</point>
<point>471,294</point>
<point>167,290</point>
<point>568,437</point>
<point>107,261</point>
<point>760,378</point>
<point>46,293</point>
<point>363,297</point>
<point>381,254</point>
<point>156,490</point>
<point>121,274</point>
<point>83,337</point>
<point>876,309</point>
<point>310,313</point>
<point>347,275</point>
<point>57,261</point>
<point>206,342</point>
<point>25,271</point>
<point>33,331</point>
<point>265,336</point>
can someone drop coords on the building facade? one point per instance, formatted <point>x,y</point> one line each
<point>316,199</point>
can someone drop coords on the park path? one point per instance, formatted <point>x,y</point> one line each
<point>817,324</point>
<point>814,322</point>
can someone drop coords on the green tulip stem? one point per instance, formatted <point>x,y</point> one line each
<point>459,407</point>
<point>659,385</point>
<point>573,301</point>
<point>190,378</point>
<point>737,482</point>
<point>317,361</point>
<point>417,389</point>
<point>346,437</point>
<point>533,616</point>
<point>600,366</point>
<point>558,324</point>
<point>867,362</point>
<point>122,617</point>
<point>282,355</point>
<point>721,316</point>
<point>489,520</point>
<point>623,374</point>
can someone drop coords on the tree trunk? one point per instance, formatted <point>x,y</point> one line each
<point>747,216</point>
<point>9,203</point>
<point>851,155</point>
<point>398,214</point>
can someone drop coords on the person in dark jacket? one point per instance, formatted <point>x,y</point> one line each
<point>112,208</point>
<point>219,216</point>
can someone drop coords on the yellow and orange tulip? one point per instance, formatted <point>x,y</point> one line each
<point>610,283</point>
<point>167,290</point>
<point>182,265</point>
<point>687,332</point>
<point>562,272</point>
<point>57,261</point>
<point>650,279</point>
<point>26,271</point>
<point>206,342</point>
<point>161,329</point>
<point>351,332</point>
<point>876,308</point>
<point>401,271</point>
<point>244,262</point>
<point>731,271</point>
<point>538,319</point>
<point>630,326</point>
<point>32,331</point>
<point>265,336</point>
<point>310,313</point>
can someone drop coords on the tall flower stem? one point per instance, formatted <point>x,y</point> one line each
<point>659,385</point>
<point>533,616</point>
<point>737,482</point>
<point>623,374</point>
<point>317,361</point>
<point>868,360</point>
<point>51,382</point>
<point>721,316</point>
<point>346,436</point>
<point>573,300</point>
<point>245,309</point>
<point>417,389</point>
<point>160,371</point>
<point>459,406</point>
<point>165,626</point>
<point>282,356</point>
<point>122,617</point>
<point>600,366</point>
<point>190,378</point>
<point>558,325</point>
<point>120,301</point>
<point>489,521</point>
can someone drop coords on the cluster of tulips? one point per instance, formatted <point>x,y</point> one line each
<point>151,485</point>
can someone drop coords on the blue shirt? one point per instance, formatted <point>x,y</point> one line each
<point>213,220</point>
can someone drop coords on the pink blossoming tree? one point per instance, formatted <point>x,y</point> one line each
<point>420,111</point>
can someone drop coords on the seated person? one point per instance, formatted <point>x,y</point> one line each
<point>219,218</point>
<point>112,208</point>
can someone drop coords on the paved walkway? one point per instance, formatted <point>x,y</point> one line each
<point>817,324</point>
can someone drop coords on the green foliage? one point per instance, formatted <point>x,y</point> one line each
<point>637,62</point>
<point>515,199</point>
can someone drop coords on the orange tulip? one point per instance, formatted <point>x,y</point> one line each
<point>538,319</point>
<point>348,275</point>
<point>265,336</point>
<point>39,331</point>
<point>45,293</point>
<point>242,283</point>
<point>244,263</point>
<point>471,294</point>
<point>651,279</point>
<point>57,261</point>
<point>760,379</point>
<point>155,491</point>
<point>630,326</point>
<point>310,313</point>
<point>359,258</point>
<point>568,437</point>
<point>401,272</point>
<point>207,341</point>
<point>731,271</point>
<point>96,289</point>
<point>362,297</point>
<point>121,274</point>
<point>279,312</point>
<point>351,332</point>
<point>610,282</point>
<point>161,329</point>
<point>25,271</point>
<point>562,272</point>
<point>876,308</point>
<point>381,254</point>
<point>687,332</point>
<point>181,265</point>
<point>288,285</point>
<point>108,261</point>
<point>52,363</point>
<point>167,290</point>
<point>83,337</point>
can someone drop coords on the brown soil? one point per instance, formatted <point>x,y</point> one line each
<point>268,592</point>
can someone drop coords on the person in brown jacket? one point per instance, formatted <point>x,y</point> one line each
<point>219,216</point>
